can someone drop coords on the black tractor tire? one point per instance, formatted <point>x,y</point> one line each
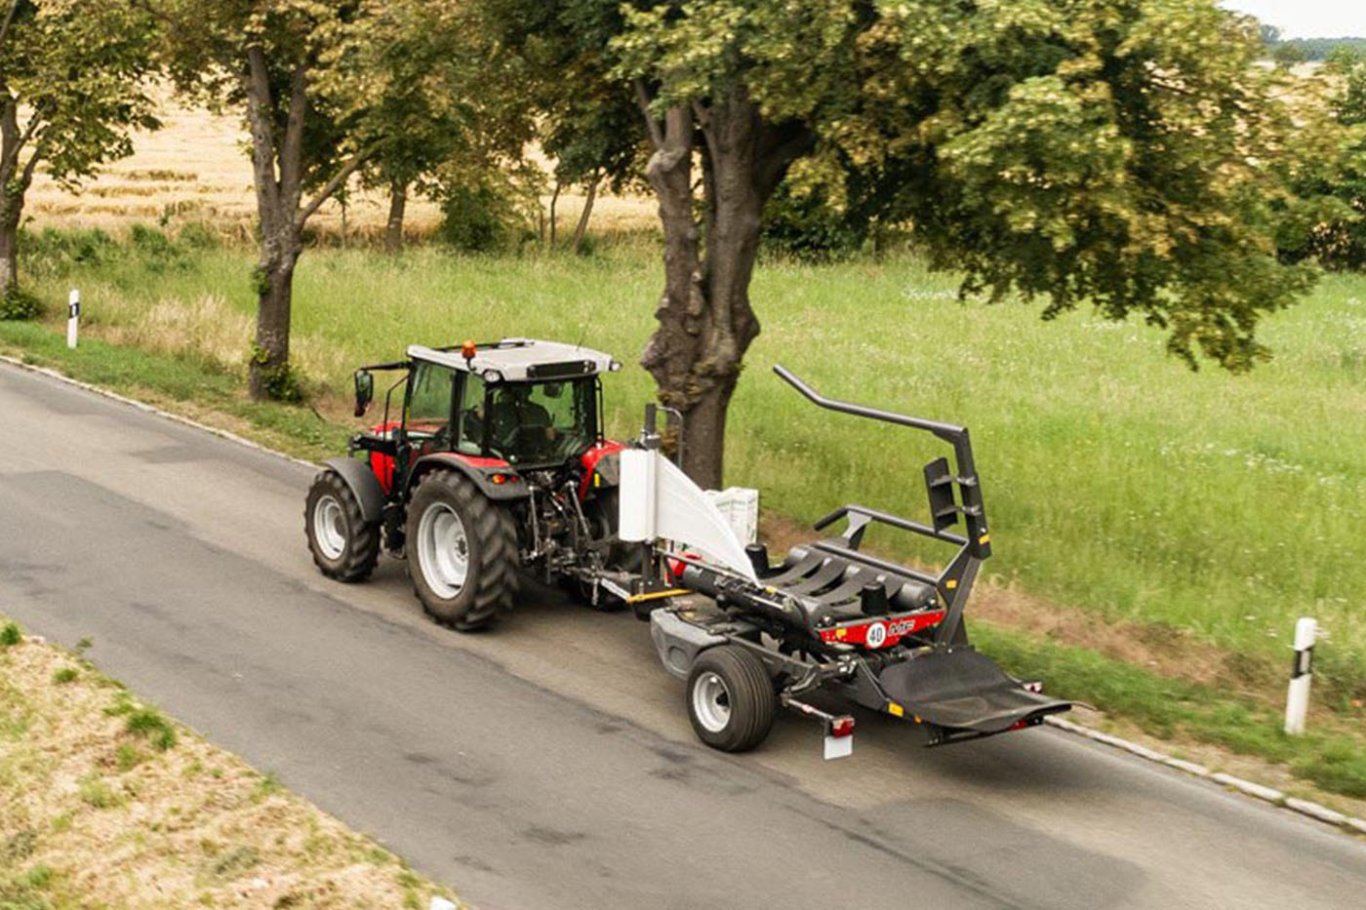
<point>464,562</point>
<point>344,546</point>
<point>730,699</point>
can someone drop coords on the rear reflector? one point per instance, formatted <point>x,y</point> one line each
<point>842,726</point>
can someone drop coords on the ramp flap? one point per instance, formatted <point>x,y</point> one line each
<point>961,689</point>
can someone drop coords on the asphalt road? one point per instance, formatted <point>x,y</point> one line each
<point>550,764</point>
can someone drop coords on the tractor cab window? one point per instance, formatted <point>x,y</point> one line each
<point>471,439</point>
<point>429,402</point>
<point>540,423</point>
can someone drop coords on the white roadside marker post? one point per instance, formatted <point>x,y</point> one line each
<point>1297,699</point>
<point>73,318</point>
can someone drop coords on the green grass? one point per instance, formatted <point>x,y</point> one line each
<point>1116,480</point>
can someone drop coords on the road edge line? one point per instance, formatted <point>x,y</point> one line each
<point>1262,792</point>
<point>1255,790</point>
<point>153,409</point>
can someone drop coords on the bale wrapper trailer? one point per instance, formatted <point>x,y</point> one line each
<point>748,636</point>
<point>496,467</point>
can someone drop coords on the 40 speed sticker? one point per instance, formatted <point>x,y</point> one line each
<point>881,633</point>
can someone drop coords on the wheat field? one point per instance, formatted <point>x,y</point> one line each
<point>196,170</point>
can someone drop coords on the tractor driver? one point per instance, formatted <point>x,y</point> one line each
<point>516,423</point>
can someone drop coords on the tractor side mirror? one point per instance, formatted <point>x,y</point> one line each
<point>365,391</point>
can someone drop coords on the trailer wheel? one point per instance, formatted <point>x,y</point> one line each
<point>730,699</point>
<point>343,545</point>
<point>462,552</point>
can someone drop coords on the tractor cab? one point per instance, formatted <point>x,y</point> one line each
<point>529,405</point>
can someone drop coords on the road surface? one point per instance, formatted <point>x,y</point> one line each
<point>550,764</point>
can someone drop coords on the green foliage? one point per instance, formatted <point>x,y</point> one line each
<point>96,793</point>
<point>431,94</point>
<point>54,253</point>
<point>17,304</point>
<point>232,863</point>
<point>152,726</point>
<point>65,675</point>
<point>1170,707</point>
<point>1313,48</point>
<point>79,69</point>
<point>1089,152</point>
<point>1288,55</point>
<point>38,876</point>
<point>479,219</point>
<point>281,381</point>
<point>1325,218</point>
<point>809,225</point>
<point>10,635</point>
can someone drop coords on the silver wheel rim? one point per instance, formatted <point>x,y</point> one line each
<point>329,527</point>
<point>443,550</point>
<point>711,702</point>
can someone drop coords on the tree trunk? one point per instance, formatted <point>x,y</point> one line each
<point>554,201</point>
<point>14,183</point>
<point>706,323</point>
<point>277,160</point>
<point>275,293</point>
<point>10,209</point>
<point>398,205</point>
<point>582,227</point>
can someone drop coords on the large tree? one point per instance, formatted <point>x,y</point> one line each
<point>279,62</point>
<point>1103,151</point>
<point>73,86</point>
<point>434,103</point>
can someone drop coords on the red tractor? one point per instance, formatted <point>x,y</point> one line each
<point>495,463</point>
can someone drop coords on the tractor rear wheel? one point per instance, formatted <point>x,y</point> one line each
<point>730,699</point>
<point>462,552</point>
<point>343,545</point>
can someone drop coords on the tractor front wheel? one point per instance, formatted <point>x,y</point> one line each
<point>462,552</point>
<point>343,545</point>
<point>730,699</point>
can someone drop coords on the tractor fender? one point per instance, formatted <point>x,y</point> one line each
<point>363,483</point>
<point>480,471</point>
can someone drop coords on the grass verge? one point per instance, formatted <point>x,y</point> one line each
<point>1329,764</point>
<point>109,803</point>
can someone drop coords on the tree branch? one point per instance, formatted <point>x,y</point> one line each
<point>9,18</point>
<point>26,180</point>
<point>291,149</point>
<point>651,124</point>
<point>257,87</point>
<point>338,179</point>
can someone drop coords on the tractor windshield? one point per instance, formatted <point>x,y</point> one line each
<point>531,422</point>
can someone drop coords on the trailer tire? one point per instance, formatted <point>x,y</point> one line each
<point>730,699</point>
<point>462,552</point>
<point>344,545</point>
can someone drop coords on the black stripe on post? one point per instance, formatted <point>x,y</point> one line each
<point>1304,663</point>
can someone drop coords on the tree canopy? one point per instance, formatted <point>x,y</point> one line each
<point>72,87</point>
<point>1105,152</point>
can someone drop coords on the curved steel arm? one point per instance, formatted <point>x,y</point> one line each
<point>969,489</point>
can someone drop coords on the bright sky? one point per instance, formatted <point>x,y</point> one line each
<point>1308,18</point>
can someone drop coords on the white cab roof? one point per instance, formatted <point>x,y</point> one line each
<point>520,359</point>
